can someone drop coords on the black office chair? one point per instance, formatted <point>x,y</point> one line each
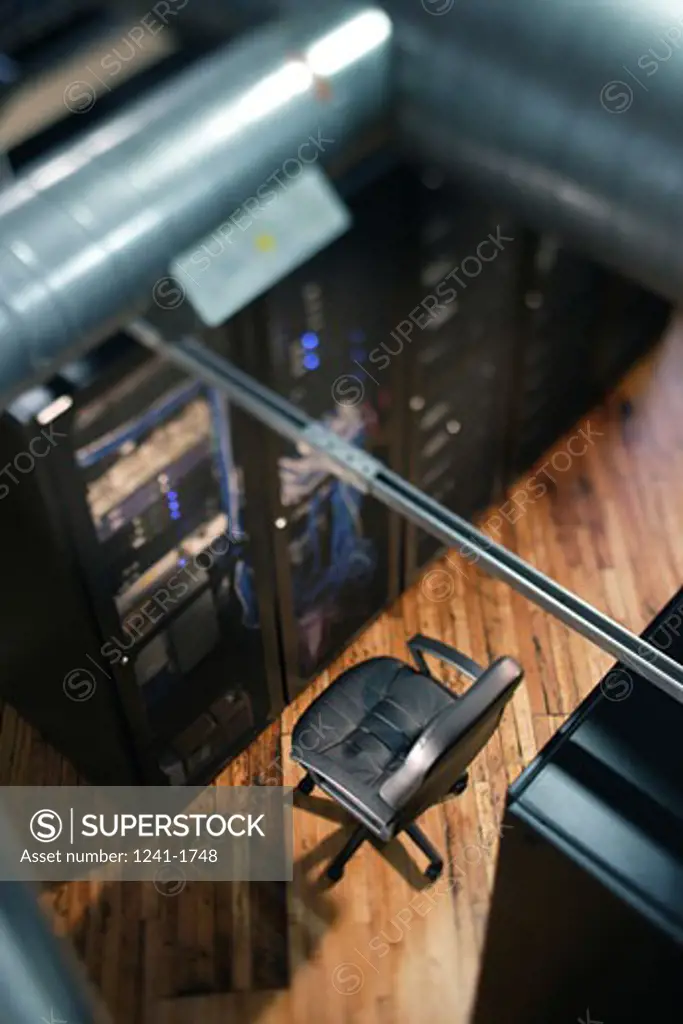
<point>387,741</point>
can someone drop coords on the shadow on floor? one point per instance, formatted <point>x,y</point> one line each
<point>181,948</point>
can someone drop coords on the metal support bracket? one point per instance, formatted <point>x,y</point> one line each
<point>347,462</point>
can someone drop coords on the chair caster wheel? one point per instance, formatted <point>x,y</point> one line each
<point>334,873</point>
<point>460,786</point>
<point>306,786</point>
<point>433,871</point>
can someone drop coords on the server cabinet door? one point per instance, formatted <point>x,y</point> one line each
<point>462,347</point>
<point>172,553</point>
<point>317,339</point>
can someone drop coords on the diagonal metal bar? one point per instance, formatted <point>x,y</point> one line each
<point>373,477</point>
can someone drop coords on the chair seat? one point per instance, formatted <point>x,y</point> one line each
<point>359,730</point>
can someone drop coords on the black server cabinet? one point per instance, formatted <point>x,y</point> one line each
<point>583,327</point>
<point>632,321</point>
<point>461,343</point>
<point>48,623</point>
<point>562,298</point>
<point>312,339</point>
<point>153,653</point>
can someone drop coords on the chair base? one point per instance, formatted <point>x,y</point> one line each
<point>336,869</point>
<point>306,786</point>
<point>433,870</point>
<point>435,866</point>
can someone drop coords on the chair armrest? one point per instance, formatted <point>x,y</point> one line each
<point>451,655</point>
<point>447,729</point>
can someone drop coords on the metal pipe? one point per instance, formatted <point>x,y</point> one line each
<point>85,234</point>
<point>40,979</point>
<point>568,115</point>
<point>90,230</point>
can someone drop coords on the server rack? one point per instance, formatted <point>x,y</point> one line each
<point>583,327</point>
<point>155,653</point>
<point>632,321</point>
<point>461,354</point>
<point>312,339</point>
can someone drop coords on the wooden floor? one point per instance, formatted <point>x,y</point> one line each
<point>376,950</point>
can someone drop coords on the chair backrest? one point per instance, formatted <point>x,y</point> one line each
<point>446,748</point>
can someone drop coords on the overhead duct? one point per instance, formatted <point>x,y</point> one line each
<point>40,979</point>
<point>85,234</point>
<point>566,115</point>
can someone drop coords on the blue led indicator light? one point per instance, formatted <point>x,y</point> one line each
<point>311,361</point>
<point>173,495</point>
<point>310,340</point>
